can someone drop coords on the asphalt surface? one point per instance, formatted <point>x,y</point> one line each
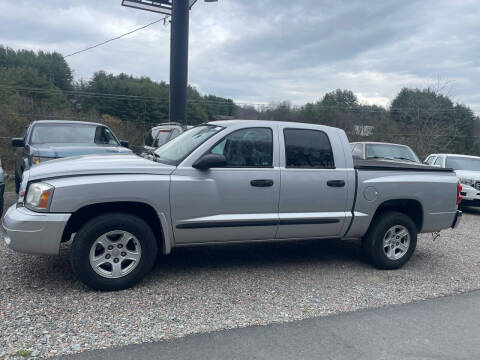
<point>443,328</point>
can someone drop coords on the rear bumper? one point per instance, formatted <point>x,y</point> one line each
<point>33,233</point>
<point>457,220</point>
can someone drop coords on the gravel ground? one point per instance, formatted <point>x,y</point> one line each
<point>45,311</point>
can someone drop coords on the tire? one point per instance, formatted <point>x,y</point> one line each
<point>106,230</point>
<point>390,225</point>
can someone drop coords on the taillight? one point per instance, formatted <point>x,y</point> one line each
<point>459,195</point>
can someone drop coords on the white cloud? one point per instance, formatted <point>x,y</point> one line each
<point>270,50</point>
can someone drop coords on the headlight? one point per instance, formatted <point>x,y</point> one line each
<point>38,196</point>
<point>38,159</point>
<point>468,182</point>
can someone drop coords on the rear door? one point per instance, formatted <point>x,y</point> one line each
<point>315,182</point>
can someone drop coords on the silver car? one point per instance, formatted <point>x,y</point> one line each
<point>160,135</point>
<point>467,168</point>
<point>226,182</point>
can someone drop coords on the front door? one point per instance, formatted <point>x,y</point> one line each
<point>237,202</point>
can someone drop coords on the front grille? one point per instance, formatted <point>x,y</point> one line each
<point>477,185</point>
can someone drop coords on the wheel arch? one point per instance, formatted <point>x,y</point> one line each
<point>156,221</point>
<point>410,207</point>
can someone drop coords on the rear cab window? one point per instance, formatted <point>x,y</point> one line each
<point>306,148</point>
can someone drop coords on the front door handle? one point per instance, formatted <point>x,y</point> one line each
<point>262,182</point>
<point>336,183</point>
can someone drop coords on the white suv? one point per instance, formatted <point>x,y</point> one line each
<point>467,169</point>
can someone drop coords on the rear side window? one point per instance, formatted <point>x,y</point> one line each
<point>308,149</point>
<point>252,147</point>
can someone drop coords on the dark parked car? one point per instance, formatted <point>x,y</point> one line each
<point>52,139</point>
<point>161,134</point>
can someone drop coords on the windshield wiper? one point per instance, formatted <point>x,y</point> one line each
<point>380,157</point>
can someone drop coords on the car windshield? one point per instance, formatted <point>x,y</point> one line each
<point>72,134</point>
<point>391,152</point>
<point>463,163</point>
<point>177,149</point>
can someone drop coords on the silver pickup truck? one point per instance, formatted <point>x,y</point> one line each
<point>226,182</point>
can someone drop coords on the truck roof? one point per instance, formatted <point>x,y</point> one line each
<point>377,142</point>
<point>65,122</point>
<point>227,123</point>
<point>458,155</point>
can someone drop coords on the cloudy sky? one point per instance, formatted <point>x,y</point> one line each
<point>262,51</point>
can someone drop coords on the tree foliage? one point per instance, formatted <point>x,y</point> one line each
<point>40,85</point>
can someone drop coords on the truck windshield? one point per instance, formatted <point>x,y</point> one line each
<point>391,152</point>
<point>176,150</point>
<point>72,134</point>
<point>463,163</point>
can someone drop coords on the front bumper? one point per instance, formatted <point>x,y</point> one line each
<point>33,233</point>
<point>457,220</point>
<point>470,194</point>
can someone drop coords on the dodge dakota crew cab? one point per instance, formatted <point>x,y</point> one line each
<point>226,182</point>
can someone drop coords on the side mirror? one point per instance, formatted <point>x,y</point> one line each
<point>18,142</point>
<point>209,161</point>
<point>124,143</point>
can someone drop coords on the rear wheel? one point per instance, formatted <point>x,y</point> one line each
<point>390,241</point>
<point>113,251</point>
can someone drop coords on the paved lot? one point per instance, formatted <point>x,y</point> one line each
<point>45,310</point>
<point>431,329</point>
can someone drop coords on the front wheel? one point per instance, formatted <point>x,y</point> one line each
<point>113,251</point>
<point>390,241</point>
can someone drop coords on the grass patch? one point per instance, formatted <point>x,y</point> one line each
<point>23,353</point>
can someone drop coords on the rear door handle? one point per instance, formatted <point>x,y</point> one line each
<point>262,182</point>
<point>336,183</point>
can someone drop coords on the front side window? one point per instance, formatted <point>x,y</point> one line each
<point>72,134</point>
<point>358,151</point>
<point>439,161</point>
<point>252,147</point>
<point>174,151</point>
<point>429,160</point>
<point>308,149</point>
<point>151,136</point>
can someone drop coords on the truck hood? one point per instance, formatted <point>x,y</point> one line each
<point>98,165</point>
<point>475,175</point>
<point>65,150</point>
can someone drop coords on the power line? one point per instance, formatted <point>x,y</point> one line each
<point>164,19</point>
<point>226,102</point>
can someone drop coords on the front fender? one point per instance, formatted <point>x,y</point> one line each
<point>73,193</point>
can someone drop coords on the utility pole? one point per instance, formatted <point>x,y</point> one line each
<point>179,61</point>
<point>179,12</point>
